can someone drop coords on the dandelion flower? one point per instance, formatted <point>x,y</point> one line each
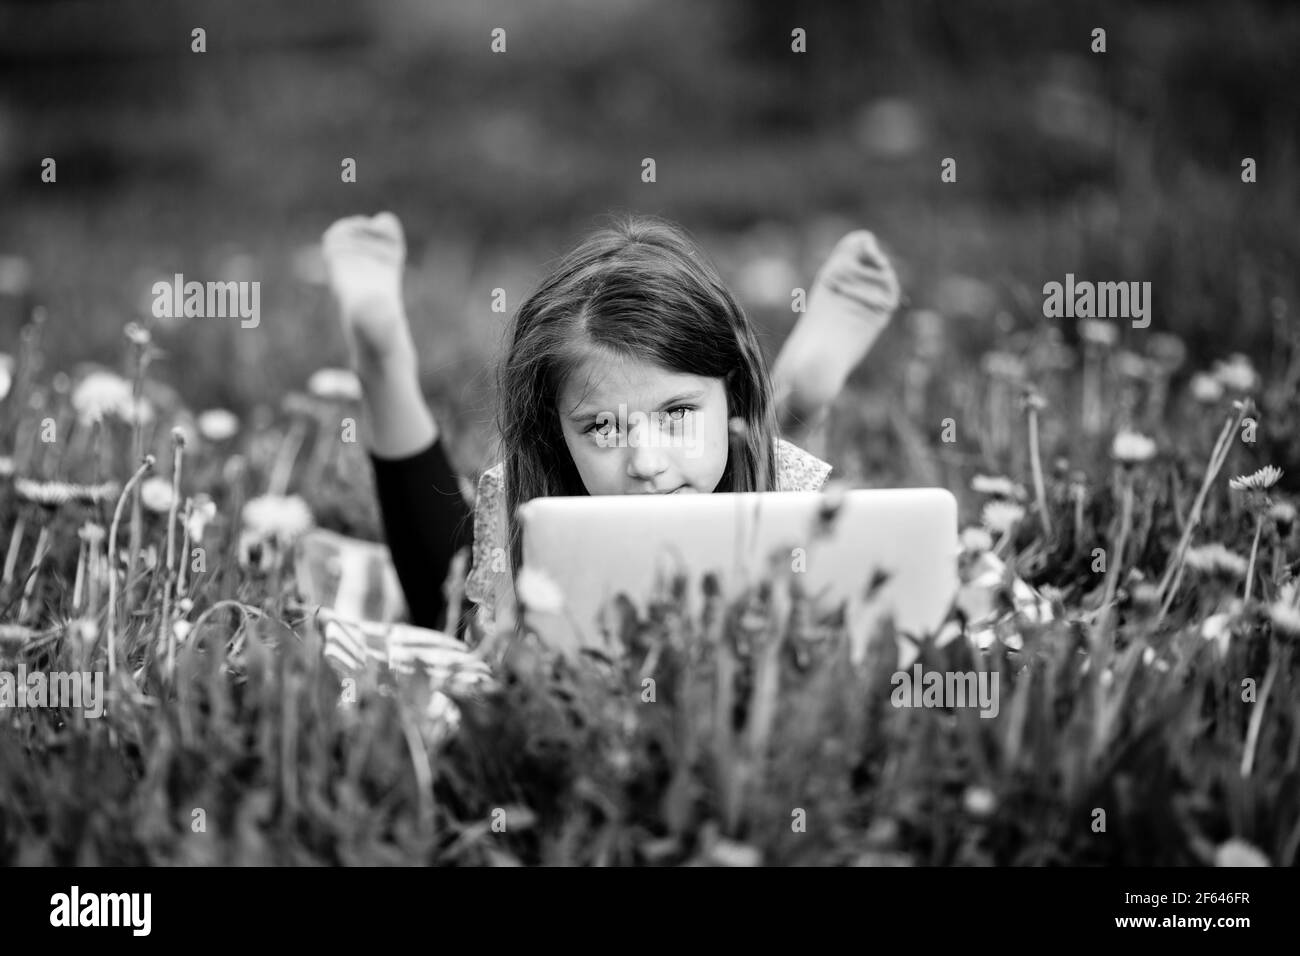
<point>1004,365</point>
<point>202,510</point>
<point>156,494</point>
<point>997,486</point>
<point>538,592</point>
<point>137,334</point>
<point>338,384</point>
<point>1098,332</point>
<point>91,533</point>
<point>979,801</point>
<point>976,540</point>
<point>1131,365</point>
<point>1237,852</point>
<point>218,424</point>
<point>1032,398</point>
<point>1216,559</point>
<point>1131,448</point>
<point>1167,350</point>
<point>1002,516</point>
<point>1206,388</point>
<point>284,518</point>
<point>1237,373</point>
<point>1283,514</point>
<point>1261,480</point>
<point>1285,617</point>
<point>53,494</point>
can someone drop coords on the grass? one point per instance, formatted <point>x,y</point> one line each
<point>1122,735</point>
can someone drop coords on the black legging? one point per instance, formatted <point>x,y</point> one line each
<point>426,521</point>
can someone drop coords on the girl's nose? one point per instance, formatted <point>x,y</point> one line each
<point>646,459</point>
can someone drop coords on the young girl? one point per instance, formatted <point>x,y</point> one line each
<point>634,320</point>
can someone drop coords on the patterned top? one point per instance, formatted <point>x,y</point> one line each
<point>490,584</point>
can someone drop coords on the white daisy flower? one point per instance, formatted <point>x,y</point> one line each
<point>1261,480</point>
<point>218,424</point>
<point>1132,448</point>
<point>338,384</point>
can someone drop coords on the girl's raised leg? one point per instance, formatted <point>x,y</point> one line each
<point>852,299</point>
<point>426,519</point>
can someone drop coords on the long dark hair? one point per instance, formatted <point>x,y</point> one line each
<point>640,288</point>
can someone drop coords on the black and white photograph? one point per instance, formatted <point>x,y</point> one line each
<point>346,349</point>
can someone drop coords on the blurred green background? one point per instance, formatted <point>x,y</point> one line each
<point>225,165</point>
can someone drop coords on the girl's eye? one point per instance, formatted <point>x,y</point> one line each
<point>684,409</point>
<point>605,428</point>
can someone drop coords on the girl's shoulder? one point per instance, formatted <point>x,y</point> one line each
<point>798,470</point>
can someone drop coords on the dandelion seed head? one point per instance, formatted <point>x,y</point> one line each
<point>218,424</point>
<point>1237,373</point>
<point>1098,332</point>
<point>102,394</point>
<point>1205,388</point>
<point>156,494</point>
<point>1131,448</point>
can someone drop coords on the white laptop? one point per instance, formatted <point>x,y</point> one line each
<point>595,547</point>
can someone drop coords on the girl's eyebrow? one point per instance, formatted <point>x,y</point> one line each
<point>583,414</point>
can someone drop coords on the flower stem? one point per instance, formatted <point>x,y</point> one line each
<point>145,467</point>
<point>1254,552</point>
<point>1035,461</point>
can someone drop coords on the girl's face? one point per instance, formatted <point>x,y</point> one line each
<point>636,428</point>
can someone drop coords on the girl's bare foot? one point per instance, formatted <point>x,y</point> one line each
<point>853,297</point>
<point>364,258</point>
